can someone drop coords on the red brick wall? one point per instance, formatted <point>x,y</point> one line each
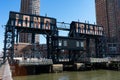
<point>108,15</point>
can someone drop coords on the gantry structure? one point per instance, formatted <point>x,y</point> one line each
<point>71,47</point>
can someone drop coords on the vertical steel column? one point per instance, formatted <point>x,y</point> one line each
<point>87,47</point>
<point>69,55</point>
<point>33,38</point>
<point>104,46</point>
<point>48,49</point>
<point>49,46</point>
<point>9,43</point>
<point>17,34</point>
<point>74,55</point>
<point>101,47</point>
<point>13,41</point>
<point>5,42</point>
<point>97,47</point>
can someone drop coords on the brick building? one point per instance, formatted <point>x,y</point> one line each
<point>108,15</point>
<point>29,50</point>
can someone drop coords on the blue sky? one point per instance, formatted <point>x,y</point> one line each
<point>63,10</point>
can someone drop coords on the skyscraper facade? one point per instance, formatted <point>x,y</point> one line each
<point>108,15</point>
<point>29,7</point>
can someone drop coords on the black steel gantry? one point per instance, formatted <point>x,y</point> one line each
<point>90,31</point>
<point>26,23</point>
<point>75,44</point>
<point>9,42</point>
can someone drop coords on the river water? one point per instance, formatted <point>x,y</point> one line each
<point>81,75</point>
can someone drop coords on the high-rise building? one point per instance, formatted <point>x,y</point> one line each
<point>108,15</point>
<point>29,7</point>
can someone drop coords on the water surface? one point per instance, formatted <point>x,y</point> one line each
<point>84,75</point>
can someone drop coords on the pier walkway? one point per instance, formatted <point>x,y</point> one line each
<point>5,72</point>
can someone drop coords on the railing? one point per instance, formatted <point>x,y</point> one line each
<point>114,59</point>
<point>63,26</point>
<point>99,60</point>
<point>43,61</point>
<point>63,60</point>
<point>36,62</point>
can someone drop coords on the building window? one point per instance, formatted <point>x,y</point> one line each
<point>65,43</point>
<point>82,44</point>
<point>112,49</point>
<point>60,43</point>
<point>77,44</point>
